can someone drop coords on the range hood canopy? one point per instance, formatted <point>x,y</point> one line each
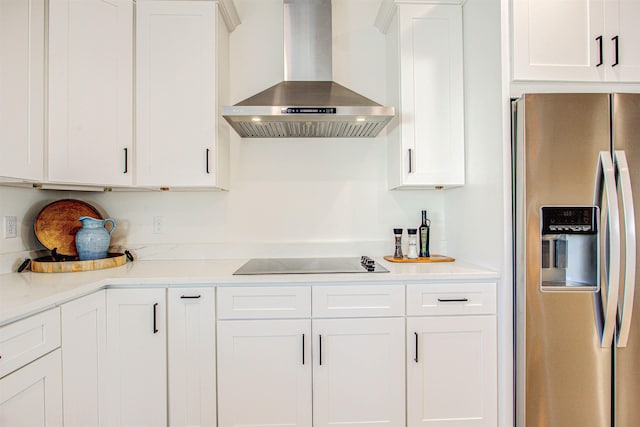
<point>307,103</point>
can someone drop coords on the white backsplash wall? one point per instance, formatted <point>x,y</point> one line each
<point>24,204</point>
<point>288,197</point>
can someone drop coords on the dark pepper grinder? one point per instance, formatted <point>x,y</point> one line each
<point>398,235</point>
<point>424,236</point>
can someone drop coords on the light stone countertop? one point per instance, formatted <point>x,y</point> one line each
<point>27,293</point>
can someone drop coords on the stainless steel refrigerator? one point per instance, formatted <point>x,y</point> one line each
<point>576,180</point>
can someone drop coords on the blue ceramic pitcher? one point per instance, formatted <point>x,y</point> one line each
<point>92,240</point>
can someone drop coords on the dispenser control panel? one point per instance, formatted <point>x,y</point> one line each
<point>569,219</point>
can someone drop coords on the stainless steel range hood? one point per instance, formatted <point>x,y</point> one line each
<point>307,103</point>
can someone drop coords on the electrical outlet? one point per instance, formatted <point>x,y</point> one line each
<point>10,227</point>
<point>158,225</point>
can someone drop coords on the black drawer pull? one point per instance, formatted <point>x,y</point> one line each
<point>453,299</point>
<point>190,296</point>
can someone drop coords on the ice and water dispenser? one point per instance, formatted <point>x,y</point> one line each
<point>569,248</point>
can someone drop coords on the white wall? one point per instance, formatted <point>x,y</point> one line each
<point>288,196</point>
<point>475,211</point>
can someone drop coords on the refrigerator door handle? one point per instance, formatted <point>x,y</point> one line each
<point>628,212</point>
<point>605,182</point>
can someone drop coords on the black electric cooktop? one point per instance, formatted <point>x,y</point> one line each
<point>310,266</point>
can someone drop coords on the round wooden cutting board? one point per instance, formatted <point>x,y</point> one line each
<point>57,223</point>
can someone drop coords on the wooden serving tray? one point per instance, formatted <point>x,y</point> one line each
<point>46,265</point>
<point>432,258</point>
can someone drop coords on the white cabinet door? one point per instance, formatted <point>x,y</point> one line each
<point>90,97</point>
<point>576,40</point>
<point>32,395</point>
<point>622,37</point>
<point>192,356</point>
<point>557,40</point>
<point>358,372</point>
<point>22,89</point>
<point>451,371</point>
<point>137,357</point>
<point>264,373</point>
<point>426,141</point>
<point>177,94</point>
<point>84,360</point>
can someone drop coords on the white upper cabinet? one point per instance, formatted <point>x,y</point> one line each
<point>22,89</point>
<point>576,40</point>
<point>425,85</point>
<point>90,92</point>
<point>182,62</point>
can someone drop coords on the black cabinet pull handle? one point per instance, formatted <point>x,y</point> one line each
<point>410,160</point>
<point>615,50</point>
<point>155,318</point>
<point>303,349</point>
<point>453,299</point>
<point>415,359</point>
<point>126,160</point>
<point>207,160</point>
<point>599,40</point>
<point>320,358</point>
<point>190,296</point>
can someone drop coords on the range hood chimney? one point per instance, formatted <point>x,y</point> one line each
<point>307,103</point>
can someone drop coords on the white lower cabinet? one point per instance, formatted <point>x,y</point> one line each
<point>349,368</point>
<point>137,357</point>
<point>84,345</point>
<point>192,356</point>
<point>264,373</point>
<point>161,357</point>
<point>299,356</point>
<point>452,371</point>
<point>358,372</point>
<point>268,372</point>
<point>32,395</point>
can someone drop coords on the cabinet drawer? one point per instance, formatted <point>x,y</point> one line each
<point>358,301</point>
<point>26,340</point>
<point>451,298</point>
<point>268,302</point>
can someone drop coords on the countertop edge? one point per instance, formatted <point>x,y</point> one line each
<point>25,294</point>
